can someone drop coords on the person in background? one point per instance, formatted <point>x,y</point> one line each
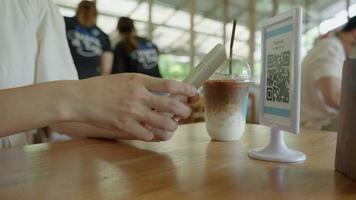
<point>133,53</point>
<point>89,45</point>
<point>39,86</point>
<point>321,78</point>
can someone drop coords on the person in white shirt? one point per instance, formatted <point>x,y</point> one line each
<point>39,86</point>
<point>321,78</point>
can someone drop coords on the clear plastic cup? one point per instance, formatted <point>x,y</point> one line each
<point>226,100</point>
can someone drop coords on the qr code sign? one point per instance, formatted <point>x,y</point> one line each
<point>278,77</point>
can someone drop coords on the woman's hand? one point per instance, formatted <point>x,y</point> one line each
<point>126,103</point>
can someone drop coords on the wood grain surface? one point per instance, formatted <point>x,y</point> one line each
<point>189,166</point>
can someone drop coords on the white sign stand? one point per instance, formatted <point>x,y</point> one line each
<point>280,85</point>
<point>277,150</point>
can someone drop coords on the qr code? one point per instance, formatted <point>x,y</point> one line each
<point>278,77</point>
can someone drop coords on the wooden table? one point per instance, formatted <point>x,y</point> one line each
<point>190,166</point>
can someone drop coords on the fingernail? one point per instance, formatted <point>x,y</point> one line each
<point>176,118</point>
<point>167,136</point>
<point>149,137</point>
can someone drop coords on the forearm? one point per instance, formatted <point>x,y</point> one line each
<point>333,101</point>
<point>106,63</point>
<point>82,130</point>
<point>118,102</point>
<point>40,105</point>
<point>31,107</point>
<point>330,88</point>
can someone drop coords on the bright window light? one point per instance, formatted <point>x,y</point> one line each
<point>200,38</point>
<point>67,11</point>
<point>161,13</point>
<point>182,44</point>
<point>73,3</point>
<point>183,59</point>
<point>257,53</point>
<point>165,36</point>
<point>352,10</point>
<point>240,48</point>
<point>242,33</point>
<point>141,28</point>
<point>208,44</point>
<point>141,13</point>
<point>106,23</point>
<point>116,7</point>
<point>258,38</point>
<point>181,19</point>
<point>210,26</point>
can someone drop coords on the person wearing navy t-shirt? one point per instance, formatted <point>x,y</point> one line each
<point>133,53</point>
<point>89,45</point>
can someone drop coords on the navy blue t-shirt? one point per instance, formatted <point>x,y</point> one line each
<point>142,60</point>
<point>86,45</point>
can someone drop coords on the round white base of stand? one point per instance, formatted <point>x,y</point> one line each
<point>277,150</point>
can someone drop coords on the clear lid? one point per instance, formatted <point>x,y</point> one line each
<point>240,70</point>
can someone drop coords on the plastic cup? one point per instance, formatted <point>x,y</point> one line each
<point>226,101</point>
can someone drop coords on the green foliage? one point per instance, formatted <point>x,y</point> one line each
<point>171,68</point>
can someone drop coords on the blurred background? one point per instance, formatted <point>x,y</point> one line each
<point>185,30</point>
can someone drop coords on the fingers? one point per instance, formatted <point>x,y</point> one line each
<point>193,99</point>
<point>140,132</point>
<point>169,105</point>
<point>169,86</point>
<point>161,121</point>
<point>161,135</point>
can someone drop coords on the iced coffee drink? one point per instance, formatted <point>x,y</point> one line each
<point>226,102</point>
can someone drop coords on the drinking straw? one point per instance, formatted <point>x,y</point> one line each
<point>232,45</point>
